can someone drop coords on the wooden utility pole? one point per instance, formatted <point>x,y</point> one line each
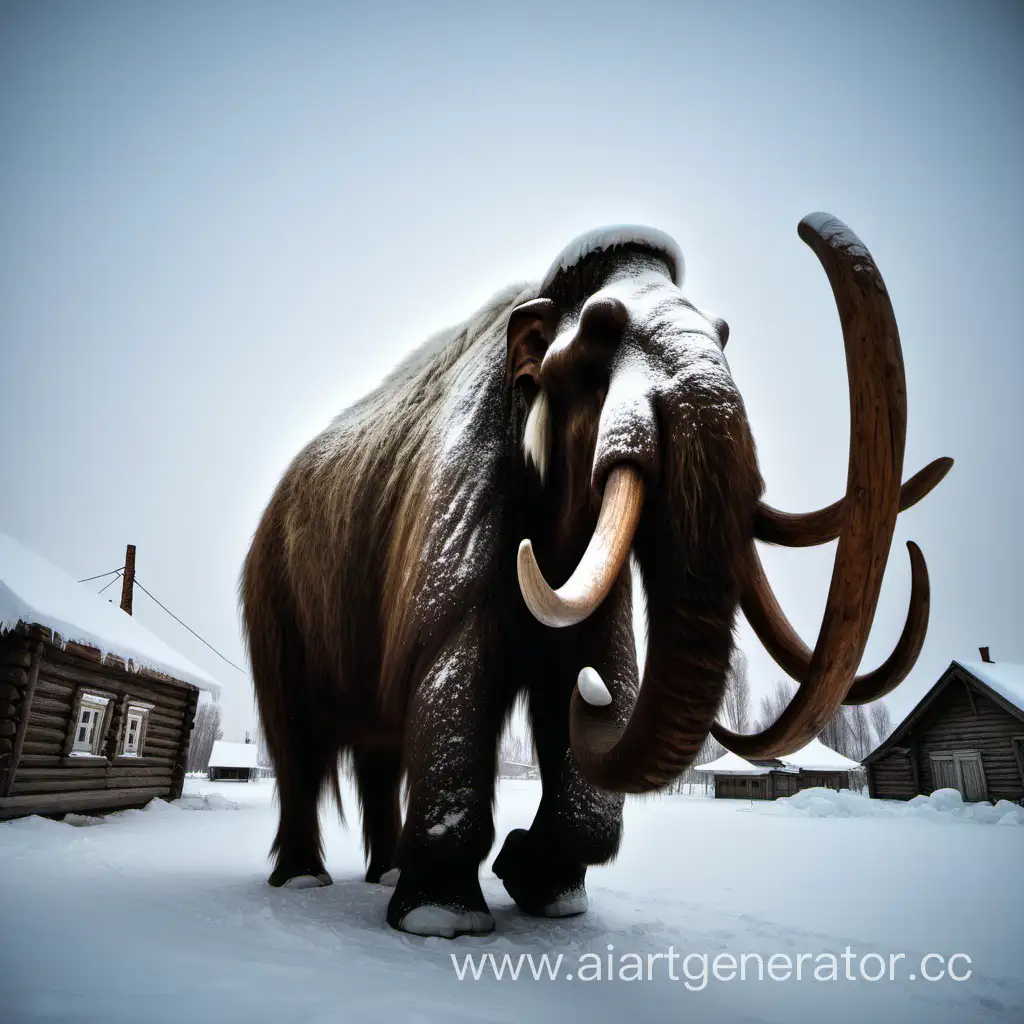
<point>128,580</point>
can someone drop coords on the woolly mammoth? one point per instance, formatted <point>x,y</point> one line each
<point>398,592</point>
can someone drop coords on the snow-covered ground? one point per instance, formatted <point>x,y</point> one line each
<point>165,915</point>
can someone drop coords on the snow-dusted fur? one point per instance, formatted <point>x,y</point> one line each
<point>383,612</point>
<point>381,530</point>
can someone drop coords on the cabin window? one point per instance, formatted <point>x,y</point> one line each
<point>962,770</point>
<point>89,730</point>
<point>136,717</point>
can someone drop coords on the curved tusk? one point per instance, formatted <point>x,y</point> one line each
<point>878,424</point>
<point>791,654</point>
<point>884,679</point>
<point>811,528</point>
<point>601,563</point>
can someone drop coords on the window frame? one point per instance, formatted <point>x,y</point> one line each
<point>96,701</point>
<point>134,708</point>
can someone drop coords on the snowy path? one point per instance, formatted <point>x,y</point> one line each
<point>164,915</point>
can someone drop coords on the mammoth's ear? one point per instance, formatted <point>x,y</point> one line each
<point>531,328</point>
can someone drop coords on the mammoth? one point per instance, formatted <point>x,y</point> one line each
<point>461,537</point>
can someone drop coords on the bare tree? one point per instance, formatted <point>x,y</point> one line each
<point>515,756</point>
<point>881,720</point>
<point>838,733</point>
<point>774,703</point>
<point>735,710</point>
<point>262,753</point>
<point>860,728</point>
<point>848,731</point>
<point>205,732</point>
<point>710,750</point>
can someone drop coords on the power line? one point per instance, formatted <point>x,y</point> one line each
<point>111,583</point>
<point>89,579</point>
<point>188,627</point>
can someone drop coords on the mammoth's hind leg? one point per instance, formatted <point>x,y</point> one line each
<point>452,728</point>
<point>301,778</point>
<point>378,775</point>
<point>288,696</point>
<point>303,753</point>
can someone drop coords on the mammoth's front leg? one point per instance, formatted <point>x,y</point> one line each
<point>451,736</point>
<point>576,825</point>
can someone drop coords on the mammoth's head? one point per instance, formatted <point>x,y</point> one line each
<point>627,396</point>
<point>630,422</point>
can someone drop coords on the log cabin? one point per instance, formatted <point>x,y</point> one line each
<point>96,712</point>
<point>233,762</point>
<point>966,733</point>
<point>770,778</point>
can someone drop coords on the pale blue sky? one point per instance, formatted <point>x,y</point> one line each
<point>222,222</point>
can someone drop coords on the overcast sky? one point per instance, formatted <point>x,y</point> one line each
<point>220,223</point>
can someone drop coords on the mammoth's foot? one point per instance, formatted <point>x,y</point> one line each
<point>429,920</point>
<point>538,883</point>
<point>380,874</point>
<point>310,878</point>
<point>439,900</point>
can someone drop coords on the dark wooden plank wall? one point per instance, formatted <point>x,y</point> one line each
<point>776,784</point>
<point>963,719</point>
<point>741,787</point>
<point>231,774</point>
<point>49,780</point>
<point>788,783</point>
<point>892,777</point>
<point>16,679</point>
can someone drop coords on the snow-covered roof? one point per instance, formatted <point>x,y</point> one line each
<point>233,755</point>
<point>815,757</point>
<point>732,764</point>
<point>619,234</point>
<point>1006,679</point>
<point>36,592</point>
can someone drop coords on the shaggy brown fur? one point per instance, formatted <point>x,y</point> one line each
<point>384,617</point>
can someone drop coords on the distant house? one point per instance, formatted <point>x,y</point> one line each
<point>233,762</point>
<point>95,711</point>
<point>966,733</point>
<point>769,778</point>
<point>517,769</point>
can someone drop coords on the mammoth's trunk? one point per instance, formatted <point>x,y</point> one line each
<point>692,536</point>
<point>690,641</point>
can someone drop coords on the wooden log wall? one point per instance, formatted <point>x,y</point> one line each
<point>963,718</point>
<point>48,778</point>
<point>19,669</point>
<point>892,777</point>
<point>181,761</point>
